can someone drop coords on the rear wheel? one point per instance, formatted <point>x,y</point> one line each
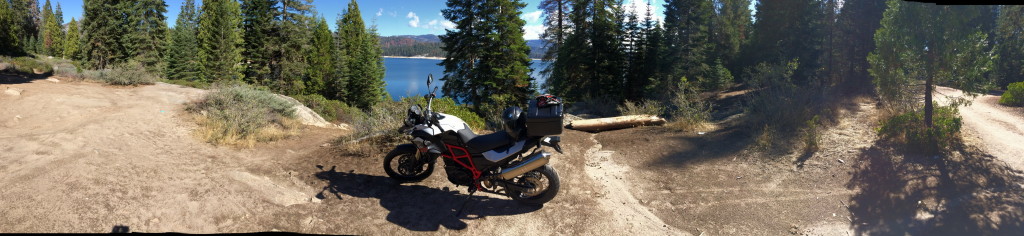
<point>402,164</point>
<point>544,182</point>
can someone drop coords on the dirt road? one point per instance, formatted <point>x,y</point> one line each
<point>997,129</point>
<point>85,157</point>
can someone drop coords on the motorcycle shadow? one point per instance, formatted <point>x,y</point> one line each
<point>415,207</point>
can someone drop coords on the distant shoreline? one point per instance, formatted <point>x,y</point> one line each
<point>437,58</point>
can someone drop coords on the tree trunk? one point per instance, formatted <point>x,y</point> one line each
<point>619,122</point>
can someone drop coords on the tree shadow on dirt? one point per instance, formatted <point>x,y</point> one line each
<point>711,145</point>
<point>19,78</point>
<point>414,207</point>
<point>962,192</point>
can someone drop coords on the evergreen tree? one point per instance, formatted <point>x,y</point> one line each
<point>102,28</point>
<point>58,35</point>
<point>10,30</point>
<point>219,39</point>
<point>688,43</point>
<point>49,29</point>
<point>590,63</point>
<point>71,41</point>
<point>487,60</point>
<point>557,25</point>
<point>260,36</point>
<point>293,30</point>
<point>732,29</point>
<point>361,59</point>
<point>937,44</point>
<point>182,55</point>
<point>789,29</point>
<point>320,58</point>
<point>146,28</point>
<point>1010,49</point>
<point>858,21</point>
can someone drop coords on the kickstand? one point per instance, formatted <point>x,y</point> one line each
<point>468,197</point>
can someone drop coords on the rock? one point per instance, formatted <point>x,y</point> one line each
<point>5,66</point>
<point>51,79</point>
<point>13,91</point>
<point>307,116</point>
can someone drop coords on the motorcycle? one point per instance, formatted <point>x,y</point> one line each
<point>509,162</point>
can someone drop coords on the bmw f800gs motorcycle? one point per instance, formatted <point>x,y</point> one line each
<point>510,161</point>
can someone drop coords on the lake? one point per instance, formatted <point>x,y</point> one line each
<point>408,76</point>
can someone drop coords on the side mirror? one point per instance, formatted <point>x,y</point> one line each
<point>430,79</point>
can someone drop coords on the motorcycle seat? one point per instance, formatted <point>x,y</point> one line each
<point>482,143</point>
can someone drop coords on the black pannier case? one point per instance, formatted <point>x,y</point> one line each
<point>543,120</point>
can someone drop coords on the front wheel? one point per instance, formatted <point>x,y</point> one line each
<point>402,164</point>
<point>544,183</point>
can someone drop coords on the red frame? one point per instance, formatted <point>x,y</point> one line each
<point>469,160</point>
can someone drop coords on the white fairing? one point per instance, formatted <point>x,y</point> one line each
<point>450,122</point>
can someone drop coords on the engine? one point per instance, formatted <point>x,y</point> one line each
<point>457,174</point>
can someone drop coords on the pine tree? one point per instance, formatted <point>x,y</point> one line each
<point>260,36</point>
<point>732,29</point>
<point>10,30</point>
<point>146,32</point>
<point>364,66</point>
<point>182,55</point>
<point>219,38</point>
<point>320,58</point>
<point>557,25</point>
<point>293,30</point>
<point>937,44</point>
<point>1010,50</point>
<point>786,30</point>
<point>590,63</point>
<point>487,61</point>
<point>102,28</point>
<point>58,34</point>
<point>71,41</point>
<point>857,22</point>
<point>49,29</point>
<point>688,43</point>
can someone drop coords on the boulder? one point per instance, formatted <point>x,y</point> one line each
<point>307,116</point>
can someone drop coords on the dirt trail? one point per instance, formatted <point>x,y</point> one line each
<point>616,195</point>
<point>997,129</point>
<point>85,157</point>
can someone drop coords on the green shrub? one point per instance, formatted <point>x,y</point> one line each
<point>188,83</point>
<point>645,107</point>
<point>132,73</point>
<point>330,110</point>
<point>909,128</point>
<point>448,106</point>
<point>242,115</point>
<point>28,65</point>
<point>1014,95</point>
<point>687,111</point>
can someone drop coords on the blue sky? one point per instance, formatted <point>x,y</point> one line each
<point>393,17</point>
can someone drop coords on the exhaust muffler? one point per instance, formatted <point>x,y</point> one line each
<point>532,162</point>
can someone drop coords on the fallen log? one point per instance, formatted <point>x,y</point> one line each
<point>618,122</point>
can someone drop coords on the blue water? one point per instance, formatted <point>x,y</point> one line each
<point>408,76</point>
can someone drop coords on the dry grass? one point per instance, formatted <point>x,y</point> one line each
<point>239,115</point>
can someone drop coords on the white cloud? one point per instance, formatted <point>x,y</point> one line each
<point>532,17</point>
<point>380,11</point>
<point>415,22</point>
<point>437,24</point>
<point>532,31</point>
<point>448,25</point>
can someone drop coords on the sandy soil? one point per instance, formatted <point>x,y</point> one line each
<point>84,157</point>
<point>997,129</point>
